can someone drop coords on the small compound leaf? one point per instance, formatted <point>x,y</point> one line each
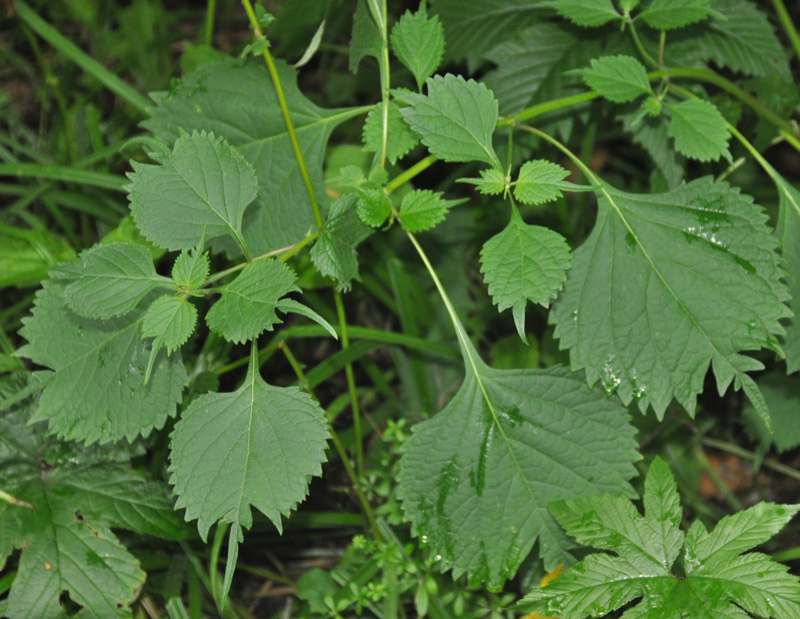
<point>455,120</point>
<point>618,78</point>
<point>471,477</point>
<point>524,263</point>
<point>401,139</point>
<point>290,305</point>
<point>255,447</point>
<point>700,131</point>
<point>191,269</point>
<point>247,305</point>
<point>585,12</point>
<point>203,188</point>
<point>334,253</point>
<point>422,209</point>
<point>374,206</point>
<point>541,181</point>
<point>109,280</point>
<point>418,42</point>
<point>669,14</point>
<point>105,363</point>
<point>667,285</point>
<point>491,183</point>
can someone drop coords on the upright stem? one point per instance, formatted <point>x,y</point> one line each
<point>287,118</point>
<point>208,31</point>
<point>788,25</point>
<point>647,57</point>
<point>351,383</point>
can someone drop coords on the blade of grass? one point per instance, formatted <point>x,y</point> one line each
<point>66,174</point>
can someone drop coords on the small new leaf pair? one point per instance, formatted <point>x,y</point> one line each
<point>696,574</point>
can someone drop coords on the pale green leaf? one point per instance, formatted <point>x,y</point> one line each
<point>334,253</point>
<point>541,181</point>
<point>471,28</point>
<point>98,392</point>
<point>191,269</point>
<point>366,39</point>
<point>475,478</point>
<point>422,209</point>
<point>782,394</point>
<point>718,581</point>
<point>201,191</point>
<point>247,305</point>
<point>588,13</point>
<point>418,42</point>
<point>535,66</point>
<point>669,14</point>
<point>492,181</point>
<point>668,284</point>
<point>743,39</point>
<point>401,139</point>
<point>257,447</point>
<point>109,280</point>
<point>170,320</point>
<point>524,263</point>
<point>290,305</point>
<point>700,131</point>
<point>250,119</point>
<point>618,78</point>
<point>455,120</point>
<point>373,206</point>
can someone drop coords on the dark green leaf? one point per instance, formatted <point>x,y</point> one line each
<point>585,12</point>
<point>418,42</point>
<point>618,78</point>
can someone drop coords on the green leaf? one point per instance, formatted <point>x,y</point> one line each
<point>652,135</point>
<point>524,263</point>
<point>373,205</point>
<point>618,78</point>
<point>418,42</point>
<point>542,181</point>
<point>401,139</point>
<point>109,280</point>
<point>585,12</point>
<point>700,131</point>
<point>250,119</point>
<point>202,189</point>
<point>471,28</point>
<point>27,255</point>
<point>334,253</point>
<point>104,362</point>
<point>492,182</point>
<point>366,39</point>
<point>669,14</point>
<point>782,394</point>
<point>719,581</point>
<point>788,232</point>
<point>247,305</point>
<point>170,320</point>
<point>539,64</point>
<point>191,269</point>
<point>422,209</point>
<point>455,120</point>
<point>667,284</point>
<point>257,446</point>
<point>743,39</point>
<point>290,305</point>
<point>475,478</point>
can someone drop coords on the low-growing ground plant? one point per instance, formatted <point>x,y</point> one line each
<point>257,315</point>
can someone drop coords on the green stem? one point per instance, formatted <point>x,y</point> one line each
<point>213,561</point>
<point>351,382</point>
<point>405,176</point>
<point>647,57</point>
<point>749,455</point>
<point>287,118</point>
<point>788,26</point>
<point>385,79</point>
<point>208,31</point>
<point>543,108</point>
<point>84,61</point>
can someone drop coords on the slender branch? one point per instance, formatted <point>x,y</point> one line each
<point>788,25</point>
<point>351,382</point>
<point>208,31</point>
<point>647,57</point>
<point>405,176</point>
<point>749,455</point>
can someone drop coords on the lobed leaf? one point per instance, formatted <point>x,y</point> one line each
<point>590,13</point>
<point>524,263</point>
<point>418,42</point>
<point>700,131</point>
<point>247,305</point>
<point>668,284</point>
<point>106,362</point>
<point>455,120</point>
<point>109,280</point>
<point>670,14</point>
<point>618,78</point>
<point>200,191</point>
